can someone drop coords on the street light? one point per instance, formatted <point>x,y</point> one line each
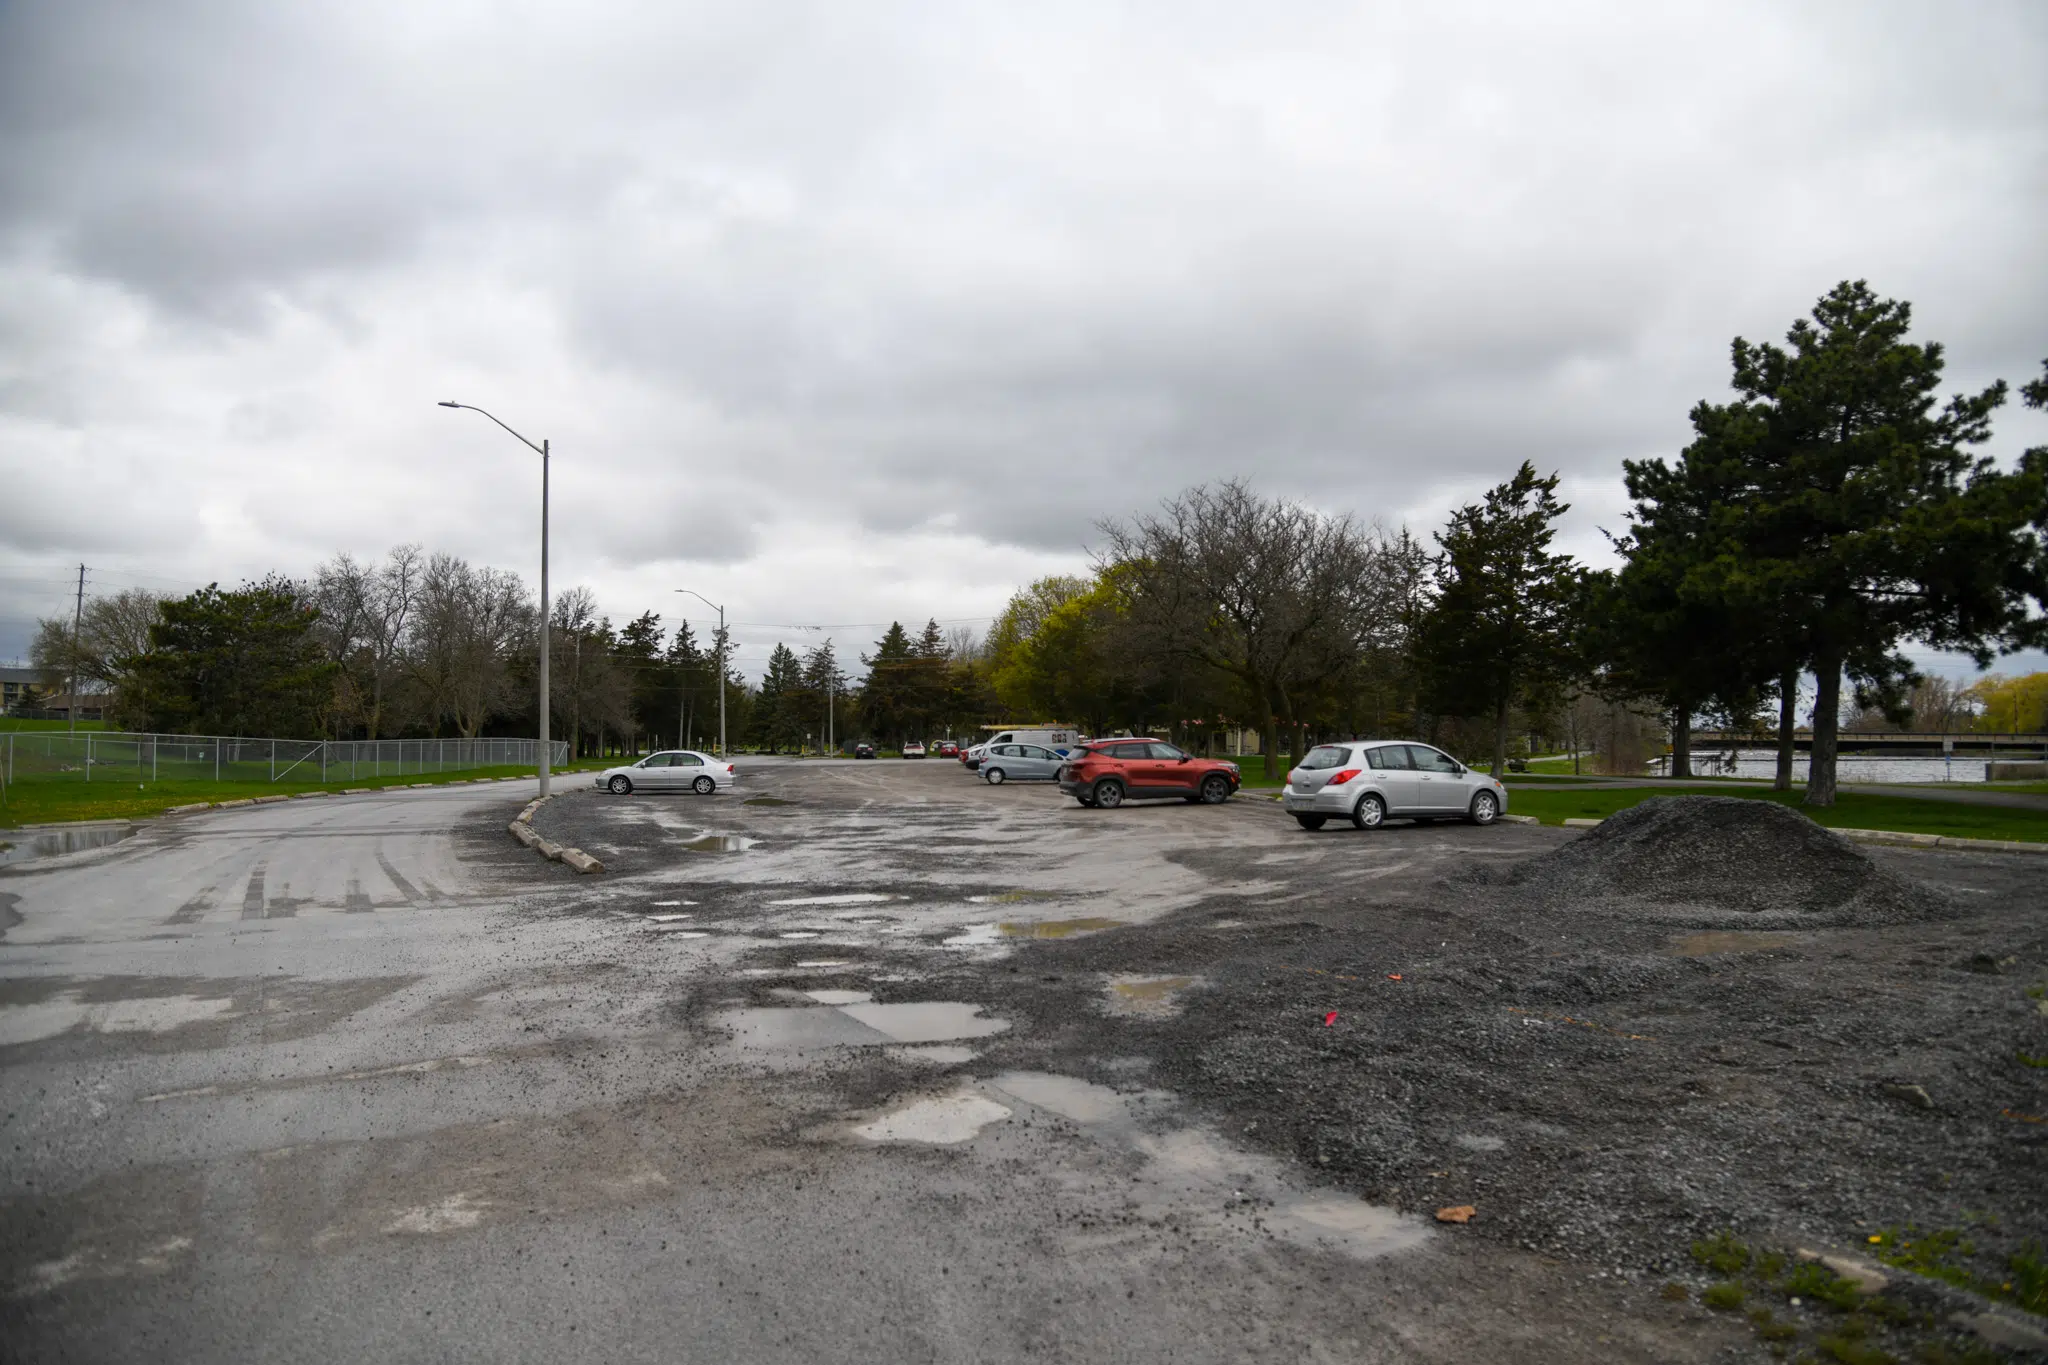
<point>721,663</point>
<point>542,451</point>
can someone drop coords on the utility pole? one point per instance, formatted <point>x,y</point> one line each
<point>77,638</point>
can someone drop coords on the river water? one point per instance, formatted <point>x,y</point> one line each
<point>1848,767</point>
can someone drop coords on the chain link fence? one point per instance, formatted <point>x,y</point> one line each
<point>103,755</point>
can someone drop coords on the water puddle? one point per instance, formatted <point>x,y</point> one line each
<point>1480,1142</point>
<point>1729,941</point>
<point>975,936</point>
<point>1189,1172</point>
<point>666,919</point>
<point>849,898</point>
<point>928,1021</point>
<point>766,801</point>
<point>827,962</point>
<point>1058,928</point>
<point>720,843</point>
<point>799,933</point>
<point>1014,897</point>
<point>840,997</point>
<point>22,845</point>
<point>670,905</point>
<point>64,1012</point>
<point>942,1121</point>
<point>668,931</point>
<point>857,1024</point>
<point>1147,994</point>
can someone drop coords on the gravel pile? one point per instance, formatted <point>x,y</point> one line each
<point>1722,859</point>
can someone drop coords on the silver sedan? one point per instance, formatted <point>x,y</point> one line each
<point>673,770</point>
<point>1368,783</point>
<point>1020,763</point>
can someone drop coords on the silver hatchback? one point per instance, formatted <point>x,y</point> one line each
<point>1020,763</point>
<point>1370,782</point>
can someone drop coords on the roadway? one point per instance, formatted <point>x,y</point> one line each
<point>360,1079</point>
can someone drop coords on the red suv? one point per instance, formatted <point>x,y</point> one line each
<point>1107,772</point>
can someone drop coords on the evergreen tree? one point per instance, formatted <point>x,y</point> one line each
<point>236,663</point>
<point>1500,631</point>
<point>777,722</point>
<point>886,695</point>
<point>1869,522</point>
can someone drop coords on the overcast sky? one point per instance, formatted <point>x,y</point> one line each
<point>843,313</point>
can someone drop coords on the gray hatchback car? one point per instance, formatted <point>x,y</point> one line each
<point>1370,782</point>
<point>1020,763</point>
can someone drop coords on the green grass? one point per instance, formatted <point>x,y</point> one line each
<point>42,801</point>
<point>1852,810</point>
<point>8,723</point>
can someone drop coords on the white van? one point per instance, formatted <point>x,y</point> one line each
<point>1061,742</point>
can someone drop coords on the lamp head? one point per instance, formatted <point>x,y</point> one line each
<point>450,405</point>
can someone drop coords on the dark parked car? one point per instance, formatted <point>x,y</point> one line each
<point>863,750</point>
<point>1107,772</point>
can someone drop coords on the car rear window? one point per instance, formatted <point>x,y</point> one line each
<point>1327,756</point>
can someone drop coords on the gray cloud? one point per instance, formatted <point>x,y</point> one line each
<point>899,301</point>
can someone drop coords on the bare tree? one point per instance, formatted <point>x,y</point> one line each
<point>364,614</point>
<point>1276,595</point>
<point>112,633</point>
<point>467,625</point>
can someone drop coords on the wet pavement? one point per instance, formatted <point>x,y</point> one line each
<point>361,1078</point>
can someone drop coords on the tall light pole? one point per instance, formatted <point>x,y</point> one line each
<point>542,451</point>
<point>721,663</point>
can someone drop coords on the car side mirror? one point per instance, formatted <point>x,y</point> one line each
<point>1185,758</point>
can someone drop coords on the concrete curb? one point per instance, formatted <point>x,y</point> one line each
<point>1520,820</point>
<point>522,829</point>
<point>1900,838</point>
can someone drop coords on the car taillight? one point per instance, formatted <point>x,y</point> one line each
<point>1338,779</point>
<point>728,769</point>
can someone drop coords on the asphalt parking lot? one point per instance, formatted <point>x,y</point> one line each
<point>872,1061</point>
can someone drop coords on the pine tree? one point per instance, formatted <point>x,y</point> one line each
<point>887,692</point>
<point>1500,631</point>
<point>1869,522</point>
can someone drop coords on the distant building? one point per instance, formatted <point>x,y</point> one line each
<point>15,684</point>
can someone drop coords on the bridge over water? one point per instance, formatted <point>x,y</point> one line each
<point>1902,745</point>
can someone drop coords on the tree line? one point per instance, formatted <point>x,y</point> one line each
<point>1833,511</point>
<point>1829,513</point>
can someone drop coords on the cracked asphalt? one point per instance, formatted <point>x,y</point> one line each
<point>857,1062</point>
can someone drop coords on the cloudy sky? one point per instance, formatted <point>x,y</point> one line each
<point>839,313</point>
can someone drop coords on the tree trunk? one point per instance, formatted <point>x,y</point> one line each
<point>1788,712</point>
<point>1681,741</point>
<point>1500,734</point>
<point>1266,740</point>
<point>1827,707</point>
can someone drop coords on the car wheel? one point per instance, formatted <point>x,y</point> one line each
<point>1311,821</point>
<point>1215,789</point>
<point>705,786</point>
<point>1109,793</point>
<point>994,777</point>
<point>1485,808</point>
<point>1369,813</point>
<point>620,785</point>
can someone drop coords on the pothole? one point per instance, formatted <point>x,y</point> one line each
<point>720,843</point>
<point>941,1121</point>
<point>1147,994</point>
<point>1058,928</point>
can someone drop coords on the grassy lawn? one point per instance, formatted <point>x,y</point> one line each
<point>1852,810</point>
<point>8,723</point>
<point>40,801</point>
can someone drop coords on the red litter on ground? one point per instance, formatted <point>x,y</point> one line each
<point>1329,1018</point>
<point>1393,976</point>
